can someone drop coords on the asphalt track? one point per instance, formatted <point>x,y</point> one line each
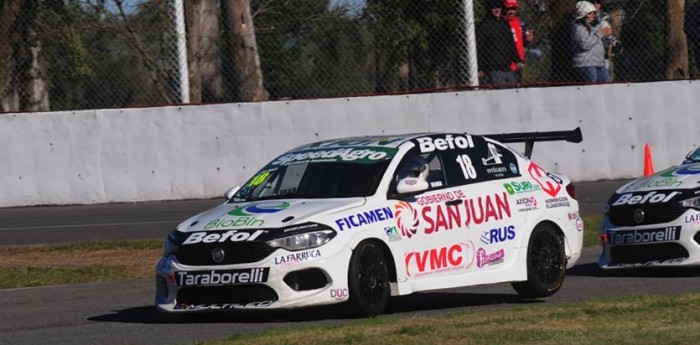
<point>123,312</point>
<point>58,224</point>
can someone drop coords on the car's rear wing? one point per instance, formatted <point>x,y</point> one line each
<point>529,138</point>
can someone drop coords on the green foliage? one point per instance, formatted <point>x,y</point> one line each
<point>42,276</point>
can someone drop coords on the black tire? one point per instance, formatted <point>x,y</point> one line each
<point>368,280</point>
<point>546,263</point>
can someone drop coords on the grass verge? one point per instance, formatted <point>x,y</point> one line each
<point>624,320</point>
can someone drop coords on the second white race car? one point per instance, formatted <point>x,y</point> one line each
<point>655,220</point>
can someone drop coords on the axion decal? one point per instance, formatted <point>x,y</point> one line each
<point>549,183</point>
<point>498,235</point>
<point>520,187</point>
<point>364,218</point>
<point>348,154</point>
<point>526,204</point>
<point>428,144</point>
<point>671,233</point>
<point>221,277</point>
<point>230,236</point>
<point>651,198</point>
<point>295,258</point>
<point>433,218</point>
<point>483,258</point>
<point>439,260</point>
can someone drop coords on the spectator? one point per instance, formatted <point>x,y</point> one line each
<point>521,35</point>
<point>496,48</point>
<point>691,27</point>
<point>589,52</point>
<point>611,44</point>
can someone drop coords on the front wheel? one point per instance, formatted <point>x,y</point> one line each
<point>546,263</point>
<point>368,280</point>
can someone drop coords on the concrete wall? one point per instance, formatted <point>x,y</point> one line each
<point>170,153</point>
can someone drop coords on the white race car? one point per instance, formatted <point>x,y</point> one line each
<point>655,220</point>
<point>359,220</point>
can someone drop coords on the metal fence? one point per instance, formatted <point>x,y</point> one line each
<point>70,55</point>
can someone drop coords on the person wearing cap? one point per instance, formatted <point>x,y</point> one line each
<point>587,37</point>
<point>495,47</point>
<point>520,33</point>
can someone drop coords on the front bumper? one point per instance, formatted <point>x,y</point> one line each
<point>281,281</point>
<point>675,243</point>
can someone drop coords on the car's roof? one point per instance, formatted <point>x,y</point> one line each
<point>388,141</point>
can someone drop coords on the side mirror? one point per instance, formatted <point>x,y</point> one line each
<point>411,185</point>
<point>231,192</point>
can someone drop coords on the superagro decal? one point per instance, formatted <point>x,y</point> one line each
<point>549,182</point>
<point>221,277</point>
<point>671,233</point>
<point>295,258</point>
<point>487,259</point>
<point>245,216</point>
<point>439,260</point>
<point>498,235</point>
<point>364,218</point>
<point>436,217</point>
<point>514,188</point>
<point>366,155</point>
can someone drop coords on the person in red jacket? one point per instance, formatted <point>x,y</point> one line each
<point>520,33</point>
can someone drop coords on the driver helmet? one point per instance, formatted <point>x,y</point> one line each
<point>414,166</point>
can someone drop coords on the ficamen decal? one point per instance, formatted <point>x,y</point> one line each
<point>221,277</point>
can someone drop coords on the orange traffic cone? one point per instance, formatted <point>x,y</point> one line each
<point>648,164</point>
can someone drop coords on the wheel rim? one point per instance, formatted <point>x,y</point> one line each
<point>546,258</point>
<point>372,277</point>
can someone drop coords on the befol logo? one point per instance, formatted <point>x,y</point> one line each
<point>651,198</point>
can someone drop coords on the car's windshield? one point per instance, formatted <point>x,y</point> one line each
<point>314,180</point>
<point>692,157</point>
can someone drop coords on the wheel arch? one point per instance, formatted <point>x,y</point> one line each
<point>391,263</point>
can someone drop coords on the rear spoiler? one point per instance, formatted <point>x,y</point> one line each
<point>529,138</point>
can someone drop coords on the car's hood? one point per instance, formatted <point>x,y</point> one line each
<point>266,214</point>
<point>676,177</point>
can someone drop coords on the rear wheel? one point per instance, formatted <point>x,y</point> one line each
<point>368,280</point>
<point>546,263</point>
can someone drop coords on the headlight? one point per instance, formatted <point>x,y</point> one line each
<point>169,245</point>
<point>691,203</point>
<point>303,241</point>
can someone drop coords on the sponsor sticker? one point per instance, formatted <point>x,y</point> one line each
<point>364,218</point>
<point>224,306</point>
<point>498,235</point>
<point>221,277</point>
<point>298,257</point>
<point>487,259</point>
<point>671,233</point>
<point>439,260</point>
<point>640,199</point>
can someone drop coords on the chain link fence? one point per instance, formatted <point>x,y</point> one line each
<point>71,55</point>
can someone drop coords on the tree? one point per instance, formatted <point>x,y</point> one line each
<point>677,67</point>
<point>204,52</point>
<point>23,85</point>
<point>244,50</point>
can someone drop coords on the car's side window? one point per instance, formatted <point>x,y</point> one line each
<point>421,165</point>
<point>483,161</point>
